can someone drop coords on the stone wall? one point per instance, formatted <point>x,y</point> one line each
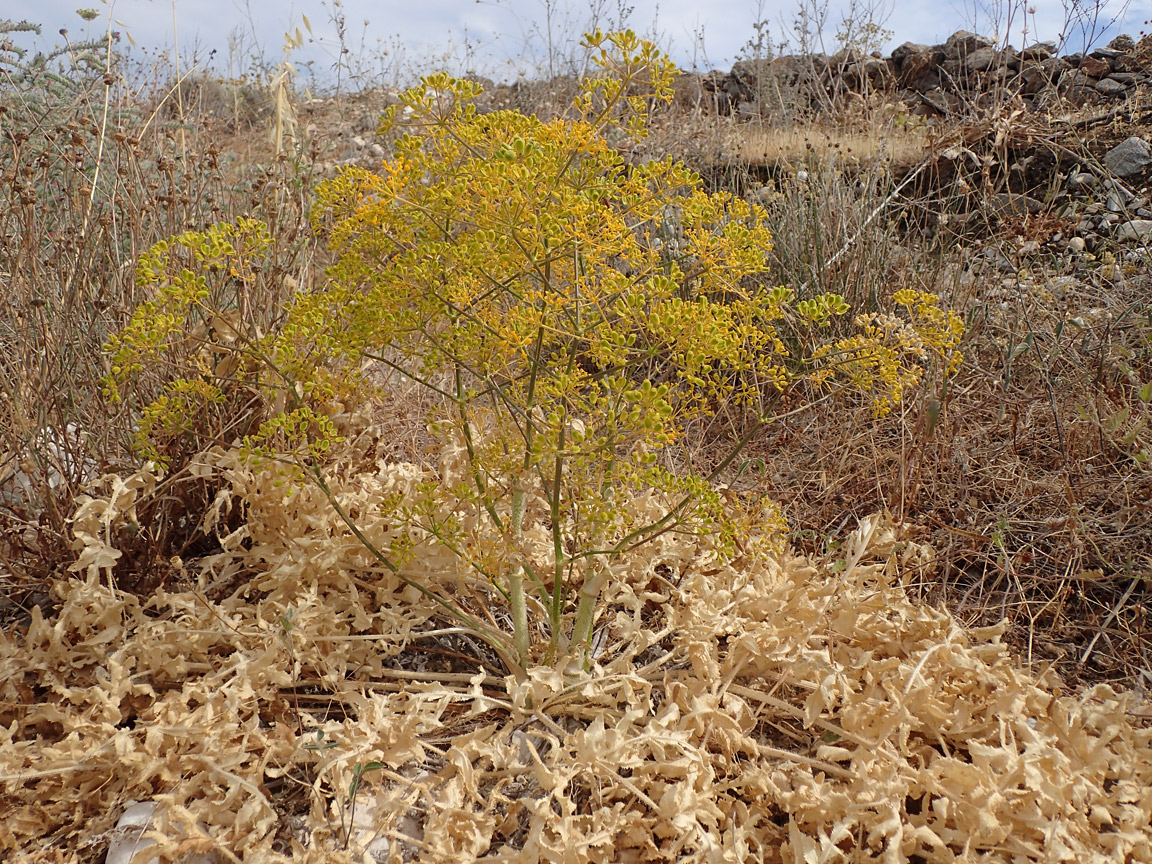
<point>965,72</point>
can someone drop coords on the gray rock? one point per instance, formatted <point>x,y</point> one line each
<point>1129,77</point>
<point>993,255</point>
<point>1033,78</point>
<point>1077,244</point>
<point>1136,229</point>
<point>1123,43</point>
<point>982,59</point>
<point>1111,88</point>
<point>1129,158</point>
<point>1119,189</point>
<point>1055,67</point>
<point>1114,203</point>
<point>962,43</point>
<point>1007,204</point>
<point>907,48</point>
<point>1082,181</point>
<point>1107,54</point>
<point>1038,51</point>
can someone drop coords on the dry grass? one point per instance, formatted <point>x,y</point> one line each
<point>1035,503</point>
<point>768,707</point>
<point>91,175</point>
<point>897,142</point>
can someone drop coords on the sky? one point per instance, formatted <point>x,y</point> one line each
<point>390,41</point>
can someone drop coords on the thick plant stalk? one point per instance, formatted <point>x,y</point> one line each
<point>586,608</point>
<point>516,599</point>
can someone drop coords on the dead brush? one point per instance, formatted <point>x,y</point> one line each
<point>1057,481</point>
<point>834,230</point>
<point>1027,472</point>
<point>90,178</point>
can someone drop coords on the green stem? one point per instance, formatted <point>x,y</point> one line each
<point>516,598</point>
<point>586,608</point>
<point>312,466</point>
<point>477,477</point>
<point>554,502</point>
<point>490,636</point>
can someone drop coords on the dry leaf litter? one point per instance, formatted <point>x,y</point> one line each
<point>763,710</point>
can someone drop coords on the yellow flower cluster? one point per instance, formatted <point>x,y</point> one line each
<point>892,351</point>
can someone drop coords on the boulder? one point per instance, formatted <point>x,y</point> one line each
<point>1095,67</point>
<point>797,70</point>
<point>1111,88</point>
<point>902,51</point>
<point>1129,78</point>
<point>741,84</point>
<point>962,43</point>
<point>1108,55</point>
<point>1129,158</point>
<point>1055,67</point>
<point>1039,51</point>
<point>918,67</point>
<point>1033,78</point>
<point>983,59</point>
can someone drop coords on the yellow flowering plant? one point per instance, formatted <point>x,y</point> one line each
<point>572,307</point>
<point>891,350</point>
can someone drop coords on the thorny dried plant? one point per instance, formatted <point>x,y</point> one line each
<point>92,174</point>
